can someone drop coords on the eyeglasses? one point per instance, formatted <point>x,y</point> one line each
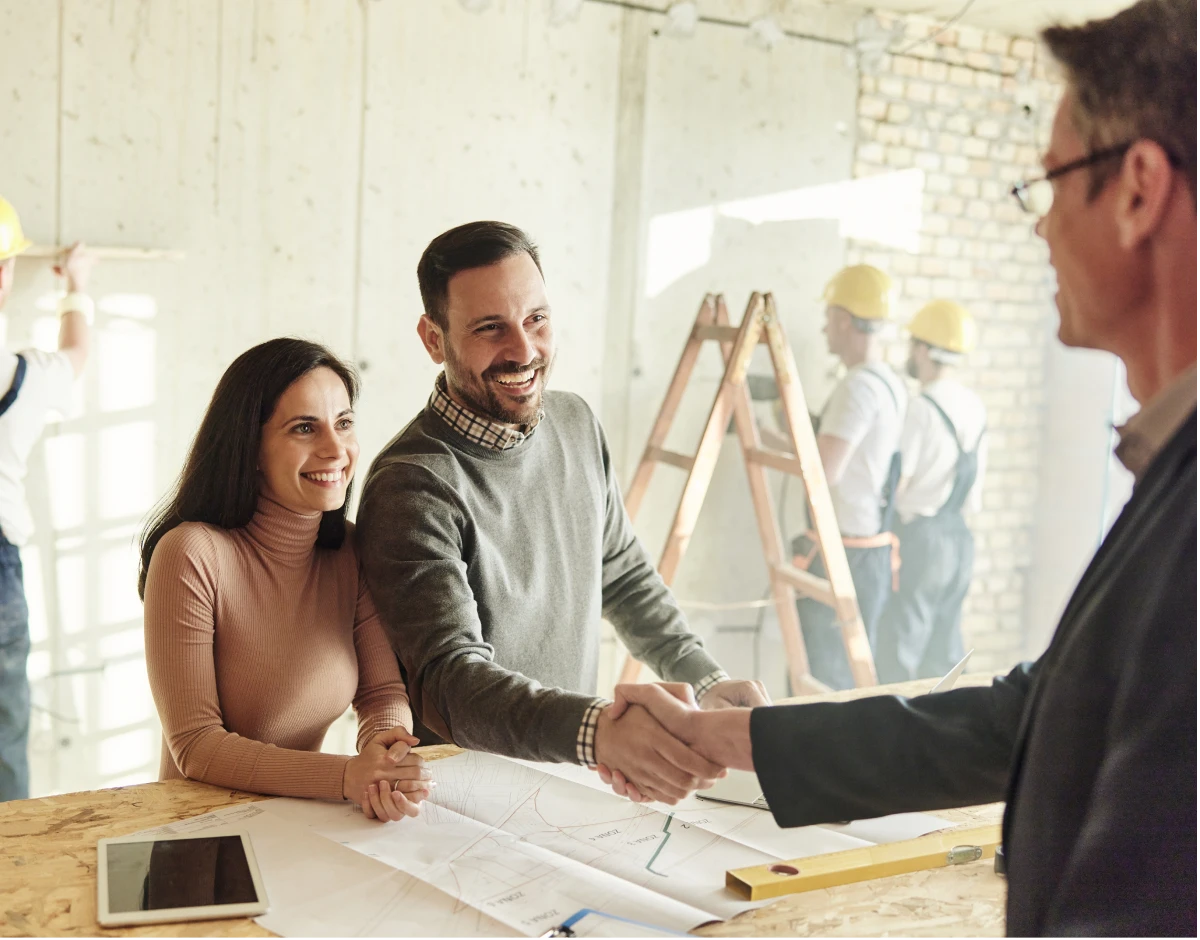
<point>1036,196</point>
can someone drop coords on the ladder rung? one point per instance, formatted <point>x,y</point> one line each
<point>726,334</point>
<point>770,458</point>
<point>682,461</point>
<point>819,589</point>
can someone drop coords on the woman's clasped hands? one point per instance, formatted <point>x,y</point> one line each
<point>387,779</point>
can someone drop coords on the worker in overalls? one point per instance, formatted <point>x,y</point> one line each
<point>943,450</point>
<point>858,434</point>
<point>33,382</point>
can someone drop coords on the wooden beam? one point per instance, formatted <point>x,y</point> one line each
<point>107,253</point>
<point>822,518</point>
<point>662,424</point>
<point>764,511</point>
<point>726,334</point>
<point>819,589</point>
<point>738,360</point>
<point>776,460</point>
<point>675,459</point>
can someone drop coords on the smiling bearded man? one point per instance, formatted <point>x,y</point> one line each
<point>494,539</point>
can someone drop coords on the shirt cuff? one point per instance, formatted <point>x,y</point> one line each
<point>704,686</point>
<point>585,740</point>
<point>80,302</point>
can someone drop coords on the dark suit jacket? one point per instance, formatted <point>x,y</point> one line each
<point>1093,746</point>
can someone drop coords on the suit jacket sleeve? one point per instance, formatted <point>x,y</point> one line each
<point>832,761</point>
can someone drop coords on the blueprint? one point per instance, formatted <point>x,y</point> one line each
<point>528,845</point>
<point>511,848</point>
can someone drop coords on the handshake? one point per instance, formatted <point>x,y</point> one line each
<point>655,743</point>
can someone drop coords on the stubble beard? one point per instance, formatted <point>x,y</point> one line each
<point>478,394</point>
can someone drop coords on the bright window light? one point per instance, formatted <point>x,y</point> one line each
<point>125,362</point>
<point>678,243</point>
<point>885,209</point>
<point>126,469</point>
<point>65,468</point>
<point>118,588</point>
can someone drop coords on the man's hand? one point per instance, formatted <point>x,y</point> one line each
<point>642,750</point>
<point>736,693</point>
<point>75,264</point>
<point>721,735</point>
<point>680,690</point>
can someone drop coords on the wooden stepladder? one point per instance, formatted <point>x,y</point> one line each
<point>760,324</point>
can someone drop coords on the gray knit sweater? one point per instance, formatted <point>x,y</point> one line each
<point>492,570</point>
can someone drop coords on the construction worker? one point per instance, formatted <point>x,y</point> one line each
<point>34,383</point>
<point>942,452</point>
<point>858,434</point>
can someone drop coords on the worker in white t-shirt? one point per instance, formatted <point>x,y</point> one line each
<point>943,451</point>
<point>32,383</point>
<point>858,434</point>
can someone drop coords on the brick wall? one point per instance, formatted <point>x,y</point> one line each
<point>972,110</point>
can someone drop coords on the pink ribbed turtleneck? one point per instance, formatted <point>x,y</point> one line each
<point>256,642</point>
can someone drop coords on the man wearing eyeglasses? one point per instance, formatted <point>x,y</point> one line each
<point>1093,747</point>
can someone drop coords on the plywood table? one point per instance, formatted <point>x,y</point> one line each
<point>48,869</point>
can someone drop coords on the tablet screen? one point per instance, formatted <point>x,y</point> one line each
<point>200,872</point>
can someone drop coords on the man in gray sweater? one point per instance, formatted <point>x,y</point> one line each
<point>494,540</point>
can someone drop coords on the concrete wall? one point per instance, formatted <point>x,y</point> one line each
<point>301,155</point>
<point>1082,486</point>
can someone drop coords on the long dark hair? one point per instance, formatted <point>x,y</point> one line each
<point>219,481</point>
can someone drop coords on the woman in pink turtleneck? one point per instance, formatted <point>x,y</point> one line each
<point>260,630</point>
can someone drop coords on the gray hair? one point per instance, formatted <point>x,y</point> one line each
<point>1134,78</point>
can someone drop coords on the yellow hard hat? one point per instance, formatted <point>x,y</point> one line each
<point>12,239</point>
<point>863,290</point>
<point>945,325</point>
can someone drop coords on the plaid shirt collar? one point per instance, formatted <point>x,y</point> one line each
<point>477,428</point>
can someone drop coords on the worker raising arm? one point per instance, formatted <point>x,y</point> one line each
<point>35,382</point>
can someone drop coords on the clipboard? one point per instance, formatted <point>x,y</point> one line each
<point>592,923</point>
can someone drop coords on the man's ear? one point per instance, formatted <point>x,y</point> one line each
<point>7,267</point>
<point>431,336</point>
<point>1144,189</point>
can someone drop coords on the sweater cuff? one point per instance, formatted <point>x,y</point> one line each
<point>694,668</point>
<point>372,722</point>
<point>337,781</point>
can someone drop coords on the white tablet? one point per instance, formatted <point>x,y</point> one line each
<point>157,879</point>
